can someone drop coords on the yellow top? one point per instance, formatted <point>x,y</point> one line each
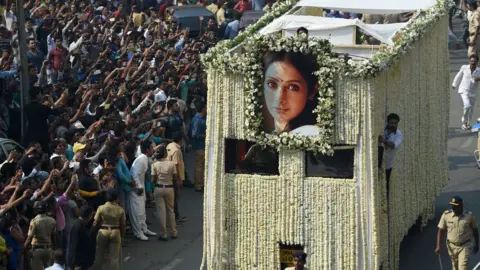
<point>220,16</point>
<point>459,228</point>
<point>212,8</point>
<point>138,19</point>
<point>110,214</point>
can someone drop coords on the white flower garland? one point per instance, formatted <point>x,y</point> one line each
<point>213,59</point>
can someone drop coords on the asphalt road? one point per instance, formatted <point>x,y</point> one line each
<point>417,251</point>
<point>184,253</point>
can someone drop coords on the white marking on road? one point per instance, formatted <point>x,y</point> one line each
<point>172,265</point>
<point>476,267</point>
<point>467,143</point>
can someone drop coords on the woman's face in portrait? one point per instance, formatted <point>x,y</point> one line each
<point>286,93</point>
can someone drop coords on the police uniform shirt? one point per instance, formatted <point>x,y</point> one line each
<point>459,228</point>
<point>164,170</point>
<point>110,214</point>
<point>474,22</point>
<point>41,229</point>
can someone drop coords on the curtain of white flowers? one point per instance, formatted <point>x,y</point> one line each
<point>417,89</point>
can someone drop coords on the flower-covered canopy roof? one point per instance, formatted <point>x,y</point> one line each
<point>220,57</point>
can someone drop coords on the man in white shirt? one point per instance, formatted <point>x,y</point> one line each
<point>59,260</point>
<point>10,18</point>
<point>392,139</point>
<point>466,81</point>
<point>137,196</point>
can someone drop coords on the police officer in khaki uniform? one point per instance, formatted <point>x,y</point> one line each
<point>164,172</point>
<point>299,261</point>
<point>111,220</point>
<point>460,227</point>
<point>473,28</point>
<point>41,235</point>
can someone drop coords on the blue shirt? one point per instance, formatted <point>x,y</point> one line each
<point>8,74</point>
<point>174,125</point>
<point>123,175</point>
<point>199,131</point>
<point>231,31</point>
<point>36,59</point>
<point>155,139</point>
<point>475,129</point>
<point>332,15</point>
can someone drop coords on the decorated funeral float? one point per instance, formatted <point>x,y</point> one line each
<point>293,126</point>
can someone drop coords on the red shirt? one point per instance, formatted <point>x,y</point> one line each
<point>243,5</point>
<point>161,10</point>
<point>56,58</point>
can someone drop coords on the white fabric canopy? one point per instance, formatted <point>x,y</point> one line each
<point>370,6</point>
<point>337,31</point>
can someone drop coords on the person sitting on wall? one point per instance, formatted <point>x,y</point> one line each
<point>299,261</point>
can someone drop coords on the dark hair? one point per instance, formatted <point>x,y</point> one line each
<point>472,3</point>
<point>86,211</point>
<point>305,65</point>
<point>144,146</point>
<point>161,152</point>
<point>112,195</point>
<point>302,29</point>
<point>199,105</point>
<point>112,160</point>
<point>473,56</point>
<point>59,256</point>
<point>35,92</point>
<point>393,116</point>
<point>238,15</point>
<point>41,207</point>
<point>170,103</point>
<point>84,164</point>
<point>54,144</point>
<point>177,137</point>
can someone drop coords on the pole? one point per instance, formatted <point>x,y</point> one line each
<point>24,80</point>
<point>477,266</point>
<point>440,262</point>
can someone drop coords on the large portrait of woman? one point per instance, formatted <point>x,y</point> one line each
<point>290,93</point>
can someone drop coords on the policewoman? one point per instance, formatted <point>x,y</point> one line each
<point>461,227</point>
<point>41,235</point>
<point>111,220</point>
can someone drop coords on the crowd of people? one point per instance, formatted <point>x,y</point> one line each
<point>117,98</point>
